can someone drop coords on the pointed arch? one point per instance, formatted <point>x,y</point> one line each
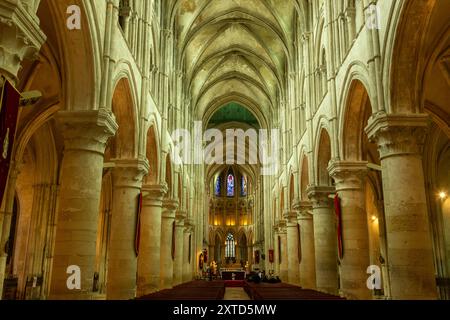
<point>304,178</point>
<point>152,154</point>
<point>356,114</point>
<point>323,157</point>
<point>125,141</point>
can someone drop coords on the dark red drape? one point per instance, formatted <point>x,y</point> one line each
<point>337,208</point>
<point>9,104</point>
<point>138,225</point>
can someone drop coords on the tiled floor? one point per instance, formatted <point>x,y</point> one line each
<point>235,294</point>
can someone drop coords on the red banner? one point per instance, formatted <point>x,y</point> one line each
<point>138,225</point>
<point>337,208</point>
<point>9,111</point>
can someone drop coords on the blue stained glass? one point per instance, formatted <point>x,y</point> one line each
<point>230,185</point>
<point>218,187</point>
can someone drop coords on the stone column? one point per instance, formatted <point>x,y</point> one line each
<point>325,239</point>
<point>122,260</point>
<point>179,248</point>
<point>85,137</point>
<point>284,254</point>
<point>276,250</point>
<point>350,179</point>
<point>150,242</point>
<point>400,140</point>
<point>292,247</point>
<point>307,257</point>
<point>166,259</point>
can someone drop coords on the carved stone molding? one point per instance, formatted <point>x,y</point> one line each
<point>348,175</point>
<point>170,205</point>
<point>290,216</point>
<point>20,37</point>
<point>87,130</point>
<point>188,226</point>
<point>154,194</point>
<point>282,227</point>
<point>130,172</point>
<point>180,215</point>
<point>398,134</point>
<point>304,209</point>
<point>319,196</point>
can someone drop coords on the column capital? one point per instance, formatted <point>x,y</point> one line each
<point>296,204</point>
<point>188,226</point>
<point>348,175</point>
<point>281,226</point>
<point>397,134</point>
<point>129,172</point>
<point>169,208</point>
<point>154,194</point>
<point>87,130</point>
<point>290,216</point>
<point>20,37</point>
<point>156,191</point>
<point>304,210</point>
<point>180,215</point>
<point>319,196</point>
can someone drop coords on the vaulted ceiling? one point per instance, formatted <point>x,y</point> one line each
<point>235,51</point>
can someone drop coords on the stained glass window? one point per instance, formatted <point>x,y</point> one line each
<point>230,185</point>
<point>230,247</point>
<point>243,186</point>
<point>217,189</point>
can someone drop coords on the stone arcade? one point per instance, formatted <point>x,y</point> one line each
<point>359,97</point>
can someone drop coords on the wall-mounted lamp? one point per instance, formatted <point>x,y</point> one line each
<point>443,195</point>
<point>374,218</point>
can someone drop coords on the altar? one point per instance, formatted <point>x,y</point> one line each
<point>232,274</point>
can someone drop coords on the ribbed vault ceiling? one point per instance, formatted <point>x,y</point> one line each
<point>235,51</point>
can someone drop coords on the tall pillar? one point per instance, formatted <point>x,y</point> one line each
<point>122,260</point>
<point>150,242</point>
<point>276,250</point>
<point>307,257</point>
<point>350,178</point>
<point>85,137</point>
<point>400,139</point>
<point>167,243</point>
<point>325,239</point>
<point>292,247</point>
<point>179,248</point>
<point>284,254</point>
